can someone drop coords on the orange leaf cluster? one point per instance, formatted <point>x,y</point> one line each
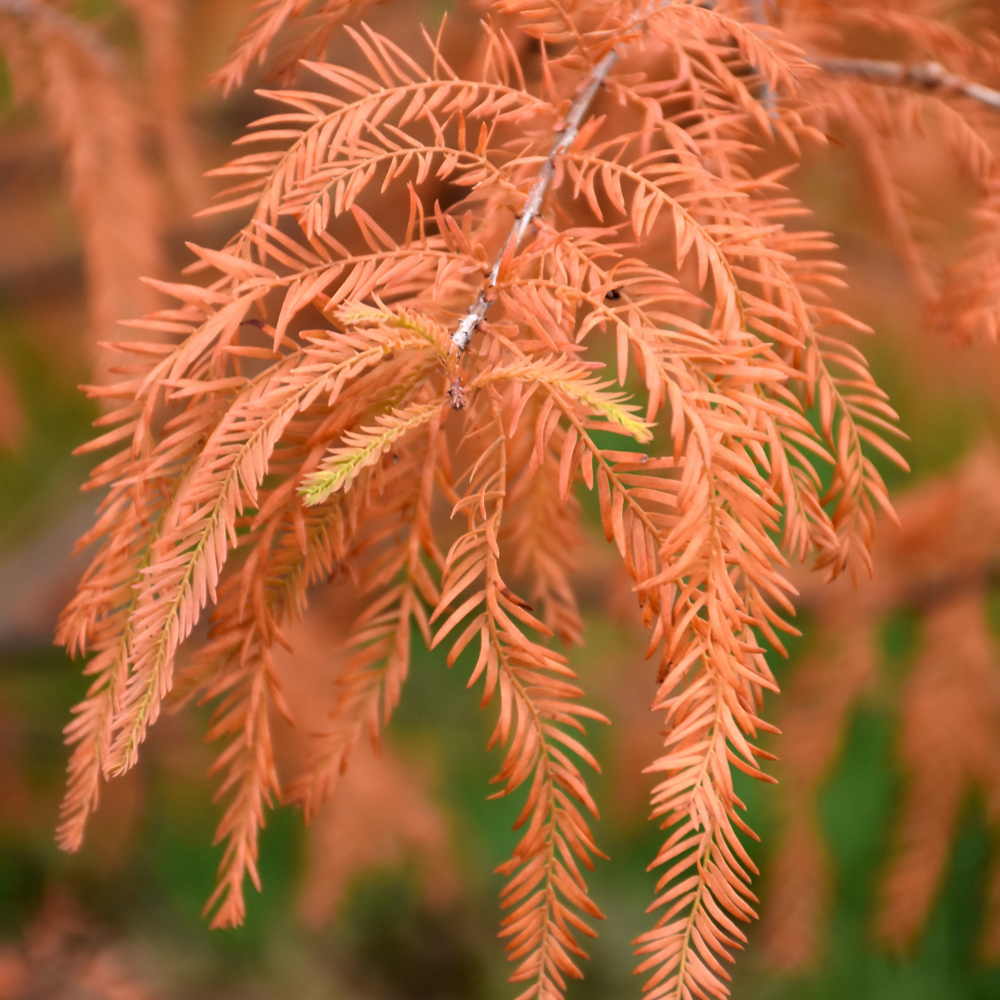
<point>437,277</point>
<point>63,957</point>
<point>93,107</point>
<point>928,89</point>
<point>939,562</point>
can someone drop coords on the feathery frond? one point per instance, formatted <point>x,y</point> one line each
<point>439,272</point>
<point>79,82</point>
<point>936,566</point>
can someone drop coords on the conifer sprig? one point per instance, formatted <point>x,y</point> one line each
<point>439,261</point>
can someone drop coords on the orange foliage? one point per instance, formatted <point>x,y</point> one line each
<point>379,816</point>
<point>432,264</point>
<point>938,561</point>
<point>79,82</point>
<point>380,812</point>
<point>62,957</point>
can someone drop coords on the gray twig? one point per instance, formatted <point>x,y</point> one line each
<point>929,76</point>
<point>571,127</point>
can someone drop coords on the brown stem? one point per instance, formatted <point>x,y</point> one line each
<point>477,311</point>
<point>929,76</point>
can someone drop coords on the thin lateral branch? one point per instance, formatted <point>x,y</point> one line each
<point>477,311</point>
<point>928,76</point>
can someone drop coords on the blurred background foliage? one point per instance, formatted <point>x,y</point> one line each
<point>420,921</point>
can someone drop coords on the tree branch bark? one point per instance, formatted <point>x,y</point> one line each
<point>571,127</point>
<point>928,76</point>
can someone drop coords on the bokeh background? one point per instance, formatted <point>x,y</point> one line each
<point>390,893</point>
